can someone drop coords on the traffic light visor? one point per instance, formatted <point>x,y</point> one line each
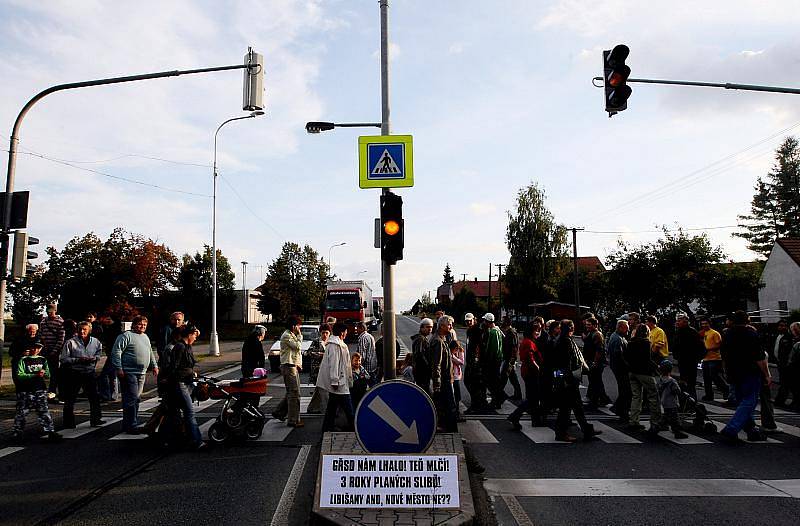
<point>391,227</point>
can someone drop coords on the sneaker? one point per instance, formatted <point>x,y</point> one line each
<point>756,435</point>
<point>566,438</point>
<point>97,423</point>
<point>591,434</point>
<point>680,434</point>
<point>51,396</point>
<point>515,423</point>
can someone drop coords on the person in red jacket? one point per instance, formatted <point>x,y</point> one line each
<point>531,360</point>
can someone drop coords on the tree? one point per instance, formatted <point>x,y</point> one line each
<point>538,247</point>
<point>26,294</point>
<point>196,284</point>
<point>295,283</point>
<point>677,272</point>
<point>775,208</point>
<point>448,275</point>
<point>465,301</point>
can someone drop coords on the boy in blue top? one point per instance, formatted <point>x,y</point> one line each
<point>669,391</point>
<point>32,371</point>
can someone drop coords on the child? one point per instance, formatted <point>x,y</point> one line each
<point>360,379</point>
<point>457,357</point>
<point>669,392</point>
<point>32,371</point>
<point>408,368</point>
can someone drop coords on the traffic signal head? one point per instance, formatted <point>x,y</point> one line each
<point>615,78</point>
<point>253,81</point>
<point>19,263</point>
<point>392,238</point>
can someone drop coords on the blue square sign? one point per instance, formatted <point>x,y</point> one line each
<point>386,161</point>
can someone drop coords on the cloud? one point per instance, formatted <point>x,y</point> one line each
<point>747,53</point>
<point>456,48</point>
<point>482,209</point>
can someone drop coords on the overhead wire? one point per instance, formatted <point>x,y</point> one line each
<point>253,212</point>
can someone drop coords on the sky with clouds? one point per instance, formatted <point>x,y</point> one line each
<point>496,95</point>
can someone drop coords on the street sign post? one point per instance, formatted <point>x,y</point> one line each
<point>385,161</point>
<point>396,416</point>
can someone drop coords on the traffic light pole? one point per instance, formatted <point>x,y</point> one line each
<point>12,157</point>
<point>726,85</point>
<point>389,325</point>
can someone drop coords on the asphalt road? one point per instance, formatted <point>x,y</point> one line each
<point>624,478</point>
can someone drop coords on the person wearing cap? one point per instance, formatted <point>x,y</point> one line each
<point>688,348</point>
<point>421,355</point>
<point>491,357</point>
<point>473,379</point>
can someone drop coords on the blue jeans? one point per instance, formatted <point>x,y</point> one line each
<point>131,386</point>
<point>107,381</point>
<point>747,391</point>
<point>183,401</point>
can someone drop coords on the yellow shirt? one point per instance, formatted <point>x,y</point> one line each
<point>713,341</point>
<point>657,336</point>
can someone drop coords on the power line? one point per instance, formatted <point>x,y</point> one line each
<point>236,192</point>
<point>111,176</point>
<point>659,231</point>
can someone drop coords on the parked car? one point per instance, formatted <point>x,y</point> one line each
<point>309,332</point>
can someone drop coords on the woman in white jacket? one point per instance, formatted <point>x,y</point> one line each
<point>335,376</point>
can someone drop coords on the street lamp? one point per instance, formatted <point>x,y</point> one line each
<point>245,303</point>
<point>316,127</point>
<point>213,347</point>
<point>330,265</point>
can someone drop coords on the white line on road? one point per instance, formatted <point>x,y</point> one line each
<point>743,435</point>
<point>476,433</point>
<point>85,428</point>
<point>643,487</point>
<point>541,435</point>
<point>281,516</point>
<point>611,435</point>
<point>275,431</point>
<point>520,517</point>
<point>690,440</point>
<point>4,452</point>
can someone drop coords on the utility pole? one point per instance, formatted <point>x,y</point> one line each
<point>575,270</point>
<point>500,286</point>
<point>389,327</point>
<point>245,305</point>
<point>489,296</point>
<point>464,276</point>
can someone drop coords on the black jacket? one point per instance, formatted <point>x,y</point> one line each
<point>638,357</point>
<point>687,346</point>
<point>182,363</point>
<point>252,355</point>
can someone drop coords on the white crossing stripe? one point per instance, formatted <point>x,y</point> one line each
<point>146,405</point>
<point>789,430</point>
<point>206,425</point>
<point>611,435</point>
<point>85,428</point>
<point>541,435</point>
<point>606,410</point>
<point>717,410</point>
<point>688,441</point>
<point>275,431</point>
<point>476,433</point>
<point>126,436</point>
<point>643,487</point>
<point>4,452</point>
<point>743,435</point>
<point>264,401</point>
<point>304,401</point>
<point>205,405</point>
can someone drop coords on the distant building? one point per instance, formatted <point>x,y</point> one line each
<point>250,314</point>
<point>448,291</point>
<point>781,278</point>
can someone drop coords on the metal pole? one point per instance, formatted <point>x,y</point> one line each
<point>726,85</point>
<point>575,272</point>
<point>12,156</point>
<point>500,287</point>
<point>244,292</point>
<point>213,344</point>
<point>389,326</point>
<point>489,296</point>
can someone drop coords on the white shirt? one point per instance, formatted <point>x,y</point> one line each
<point>334,370</point>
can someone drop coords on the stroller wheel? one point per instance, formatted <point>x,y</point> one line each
<point>233,419</point>
<point>254,429</point>
<point>218,432</point>
<point>709,427</point>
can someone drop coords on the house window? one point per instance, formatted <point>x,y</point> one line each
<point>783,305</point>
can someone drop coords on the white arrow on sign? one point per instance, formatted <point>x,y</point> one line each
<point>408,434</point>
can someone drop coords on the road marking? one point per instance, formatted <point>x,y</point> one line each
<point>743,435</point>
<point>643,487</point>
<point>126,436</point>
<point>281,516</point>
<point>520,517</point>
<point>541,435</point>
<point>789,430</point>
<point>146,405</point>
<point>688,441</point>
<point>4,452</point>
<point>304,402</point>
<point>206,426</point>
<point>85,428</point>
<point>275,431</point>
<point>476,433</point>
<point>606,410</point>
<point>717,410</point>
<point>205,405</point>
<point>507,408</point>
<point>264,401</point>
<point>611,435</point>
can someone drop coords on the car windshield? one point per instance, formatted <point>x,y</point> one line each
<point>339,300</point>
<point>309,333</point>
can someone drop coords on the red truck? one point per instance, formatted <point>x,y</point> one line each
<point>350,302</point>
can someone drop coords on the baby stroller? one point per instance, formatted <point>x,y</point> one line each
<point>239,415</point>
<point>691,409</point>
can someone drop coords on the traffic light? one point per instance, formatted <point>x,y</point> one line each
<point>19,264</point>
<point>615,78</point>
<point>253,81</point>
<point>391,228</point>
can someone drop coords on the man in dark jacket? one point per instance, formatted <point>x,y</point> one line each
<point>617,343</point>
<point>594,352</point>
<point>442,376</point>
<point>473,379</point>
<point>688,348</point>
<point>420,355</point>
<point>746,367</point>
<point>508,371</point>
<point>643,379</point>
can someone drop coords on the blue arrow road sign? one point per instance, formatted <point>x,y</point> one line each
<point>395,417</point>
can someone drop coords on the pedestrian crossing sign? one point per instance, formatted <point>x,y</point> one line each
<point>385,161</point>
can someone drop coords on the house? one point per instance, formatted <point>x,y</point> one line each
<point>781,278</point>
<point>590,265</point>
<point>481,290</point>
